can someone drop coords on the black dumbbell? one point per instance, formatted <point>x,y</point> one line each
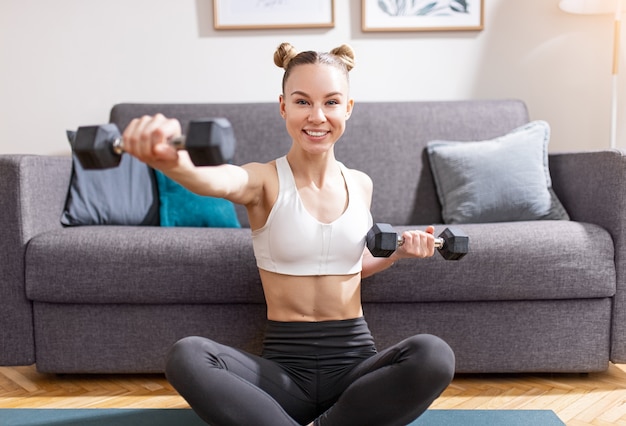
<point>382,241</point>
<point>209,142</point>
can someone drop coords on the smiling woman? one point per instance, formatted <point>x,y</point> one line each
<point>309,215</point>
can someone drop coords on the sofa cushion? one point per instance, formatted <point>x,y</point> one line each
<point>534,260</point>
<point>180,207</point>
<point>509,261</point>
<point>124,195</point>
<point>498,180</point>
<point>143,265</point>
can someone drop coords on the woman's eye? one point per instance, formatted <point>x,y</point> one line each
<point>301,102</point>
<point>333,102</point>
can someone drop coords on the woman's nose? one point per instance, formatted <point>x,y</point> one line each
<point>317,115</point>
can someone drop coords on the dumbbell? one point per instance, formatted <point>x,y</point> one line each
<point>209,142</point>
<point>382,241</point>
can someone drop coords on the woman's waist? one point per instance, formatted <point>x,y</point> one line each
<point>318,338</point>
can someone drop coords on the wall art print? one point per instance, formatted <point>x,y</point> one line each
<point>422,15</point>
<point>271,14</point>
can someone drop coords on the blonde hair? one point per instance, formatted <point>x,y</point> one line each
<point>287,57</point>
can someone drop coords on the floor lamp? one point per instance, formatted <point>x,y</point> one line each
<point>594,7</point>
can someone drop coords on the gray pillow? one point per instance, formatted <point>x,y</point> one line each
<point>499,180</point>
<point>124,195</point>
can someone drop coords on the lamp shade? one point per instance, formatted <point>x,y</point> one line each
<point>592,7</point>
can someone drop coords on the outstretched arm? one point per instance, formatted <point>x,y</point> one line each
<point>147,139</point>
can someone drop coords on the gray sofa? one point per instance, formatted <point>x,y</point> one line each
<point>537,296</point>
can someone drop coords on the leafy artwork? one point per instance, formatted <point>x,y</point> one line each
<point>423,7</point>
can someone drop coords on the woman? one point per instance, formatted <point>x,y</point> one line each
<point>309,215</point>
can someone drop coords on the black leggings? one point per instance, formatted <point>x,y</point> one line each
<point>325,371</point>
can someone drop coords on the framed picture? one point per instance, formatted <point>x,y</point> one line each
<point>270,14</point>
<point>422,15</point>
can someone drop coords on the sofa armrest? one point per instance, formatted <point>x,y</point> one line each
<point>591,186</point>
<point>33,191</point>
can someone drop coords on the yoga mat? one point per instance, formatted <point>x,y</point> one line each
<point>488,418</point>
<point>186,417</point>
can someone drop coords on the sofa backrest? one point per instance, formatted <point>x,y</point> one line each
<point>386,140</point>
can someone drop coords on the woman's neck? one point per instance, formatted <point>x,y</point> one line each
<point>313,168</point>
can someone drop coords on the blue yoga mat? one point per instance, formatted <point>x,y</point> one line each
<point>186,417</point>
<point>488,418</point>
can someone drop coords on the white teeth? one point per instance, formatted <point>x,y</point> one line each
<point>315,134</point>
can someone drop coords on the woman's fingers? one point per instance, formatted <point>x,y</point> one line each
<point>147,138</point>
<point>419,243</point>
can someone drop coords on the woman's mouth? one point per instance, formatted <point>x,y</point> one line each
<point>316,133</point>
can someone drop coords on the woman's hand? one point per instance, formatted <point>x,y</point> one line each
<point>147,139</point>
<point>417,244</point>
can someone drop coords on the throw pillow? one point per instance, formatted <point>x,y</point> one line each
<point>181,207</point>
<point>125,195</point>
<point>498,180</point>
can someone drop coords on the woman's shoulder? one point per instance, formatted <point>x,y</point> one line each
<point>362,181</point>
<point>361,178</point>
<point>262,168</point>
<point>262,175</point>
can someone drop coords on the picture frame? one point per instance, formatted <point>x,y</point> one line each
<point>272,14</point>
<point>424,15</point>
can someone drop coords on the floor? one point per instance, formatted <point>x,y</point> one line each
<point>594,399</point>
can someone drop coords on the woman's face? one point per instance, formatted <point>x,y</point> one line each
<point>315,106</point>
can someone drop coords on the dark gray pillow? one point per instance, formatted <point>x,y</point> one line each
<point>498,180</point>
<point>125,195</point>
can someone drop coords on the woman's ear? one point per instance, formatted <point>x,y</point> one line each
<point>349,109</point>
<point>281,100</point>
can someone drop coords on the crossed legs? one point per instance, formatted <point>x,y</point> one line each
<point>226,386</point>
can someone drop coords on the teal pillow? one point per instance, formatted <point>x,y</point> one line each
<point>498,180</point>
<point>181,207</point>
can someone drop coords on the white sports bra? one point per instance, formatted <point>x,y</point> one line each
<point>293,242</point>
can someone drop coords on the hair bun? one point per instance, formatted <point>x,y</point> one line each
<point>284,54</point>
<point>346,54</point>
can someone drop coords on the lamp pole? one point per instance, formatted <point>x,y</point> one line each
<point>616,48</point>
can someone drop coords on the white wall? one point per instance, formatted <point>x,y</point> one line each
<point>64,63</point>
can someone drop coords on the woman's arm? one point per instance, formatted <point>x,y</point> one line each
<point>147,139</point>
<point>417,244</point>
